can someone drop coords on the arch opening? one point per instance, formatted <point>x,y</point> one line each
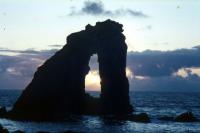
<point>92,79</point>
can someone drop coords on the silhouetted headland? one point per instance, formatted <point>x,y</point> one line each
<point>58,86</point>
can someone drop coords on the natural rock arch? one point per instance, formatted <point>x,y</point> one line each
<point>58,87</point>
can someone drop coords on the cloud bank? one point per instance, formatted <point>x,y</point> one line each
<point>159,63</point>
<point>96,8</point>
<point>177,70</point>
<point>16,71</point>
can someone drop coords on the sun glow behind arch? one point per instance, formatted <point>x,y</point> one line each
<point>92,80</point>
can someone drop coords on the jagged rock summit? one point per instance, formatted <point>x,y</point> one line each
<point>58,87</point>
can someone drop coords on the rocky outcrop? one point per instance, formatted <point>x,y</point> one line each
<point>142,117</point>
<point>58,87</point>
<point>3,111</point>
<point>3,130</point>
<point>186,117</point>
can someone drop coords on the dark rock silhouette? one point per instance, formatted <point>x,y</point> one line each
<point>18,131</point>
<point>3,130</point>
<point>186,117</point>
<point>142,117</point>
<point>3,111</point>
<point>58,87</point>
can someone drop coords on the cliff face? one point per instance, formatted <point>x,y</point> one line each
<point>58,87</point>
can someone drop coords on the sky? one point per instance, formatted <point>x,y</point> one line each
<point>163,38</point>
<point>148,24</point>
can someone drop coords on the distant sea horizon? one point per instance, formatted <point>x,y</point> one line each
<point>131,90</point>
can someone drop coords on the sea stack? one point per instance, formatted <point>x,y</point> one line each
<point>58,86</point>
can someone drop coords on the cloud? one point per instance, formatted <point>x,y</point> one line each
<point>29,52</point>
<point>177,70</point>
<point>56,45</point>
<point>162,63</point>
<point>188,72</point>
<point>17,70</point>
<point>96,8</point>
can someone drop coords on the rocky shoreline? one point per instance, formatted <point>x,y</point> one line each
<point>141,117</point>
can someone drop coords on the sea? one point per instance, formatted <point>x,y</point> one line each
<point>155,104</point>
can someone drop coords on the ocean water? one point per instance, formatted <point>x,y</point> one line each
<point>156,104</point>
